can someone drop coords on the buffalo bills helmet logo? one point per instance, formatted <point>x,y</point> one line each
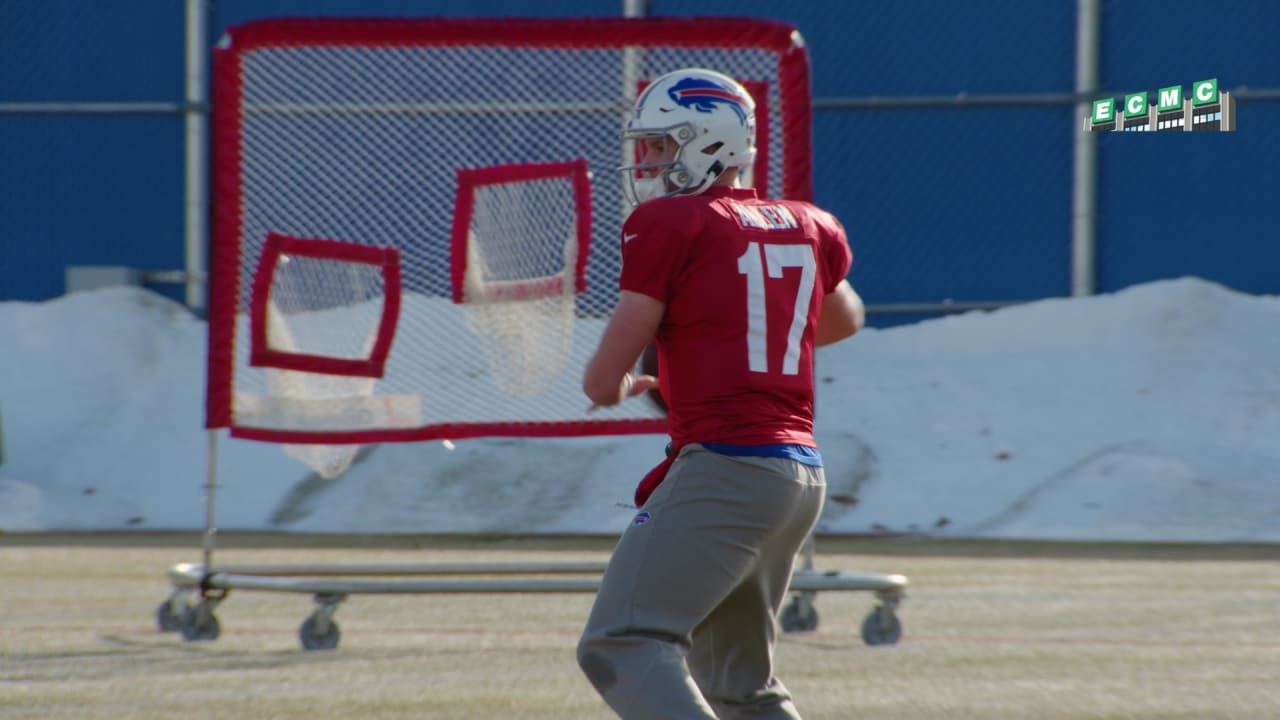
<point>703,95</point>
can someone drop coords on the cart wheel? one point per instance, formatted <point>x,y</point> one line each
<point>313,640</point>
<point>799,615</point>
<point>881,627</point>
<point>193,629</point>
<point>168,619</point>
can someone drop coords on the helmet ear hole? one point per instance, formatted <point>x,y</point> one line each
<point>713,148</point>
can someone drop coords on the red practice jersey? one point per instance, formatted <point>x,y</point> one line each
<point>743,281</point>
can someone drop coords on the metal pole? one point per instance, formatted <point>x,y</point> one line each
<point>630,79</point>
<point>631,61</point>
<point>1084,190</point>
<point>91,108</point>
<point>196,215</point>
<point>210,490</point>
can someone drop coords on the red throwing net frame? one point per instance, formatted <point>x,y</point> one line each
<point>415,228</point>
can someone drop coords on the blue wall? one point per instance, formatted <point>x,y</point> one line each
<point>88,190</point>
<point>1201,204</point>
<point>962,204</point>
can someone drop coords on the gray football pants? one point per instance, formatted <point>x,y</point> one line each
<point>685,622</point>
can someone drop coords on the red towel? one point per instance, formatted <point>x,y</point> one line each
<point>654,477</point>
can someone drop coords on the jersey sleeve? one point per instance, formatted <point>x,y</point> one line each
<point>835,250</point>
<point>655,242</point>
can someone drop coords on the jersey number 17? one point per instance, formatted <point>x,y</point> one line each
<point>762,258</point>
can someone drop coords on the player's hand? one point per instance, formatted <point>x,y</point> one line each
<point>634,385</point>
<point>643,384</point>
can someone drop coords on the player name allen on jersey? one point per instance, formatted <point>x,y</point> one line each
<point>765,217</point>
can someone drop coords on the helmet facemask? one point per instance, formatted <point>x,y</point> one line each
<point>658,170</point>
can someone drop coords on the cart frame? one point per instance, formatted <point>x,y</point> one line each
<point>198,588</point>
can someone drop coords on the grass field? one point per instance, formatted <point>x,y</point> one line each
<point>991,630</point>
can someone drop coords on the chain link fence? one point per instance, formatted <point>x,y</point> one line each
<point>945,138</point>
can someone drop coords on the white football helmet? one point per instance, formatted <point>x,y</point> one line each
<point>708,121</point>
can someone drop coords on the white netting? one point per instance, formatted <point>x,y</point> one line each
<point>302,286</point>
<point>362,144</point>
<point>522,250</point>
<point>328,461</point>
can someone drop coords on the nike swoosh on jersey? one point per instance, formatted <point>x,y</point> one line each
<point>629,237</point>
